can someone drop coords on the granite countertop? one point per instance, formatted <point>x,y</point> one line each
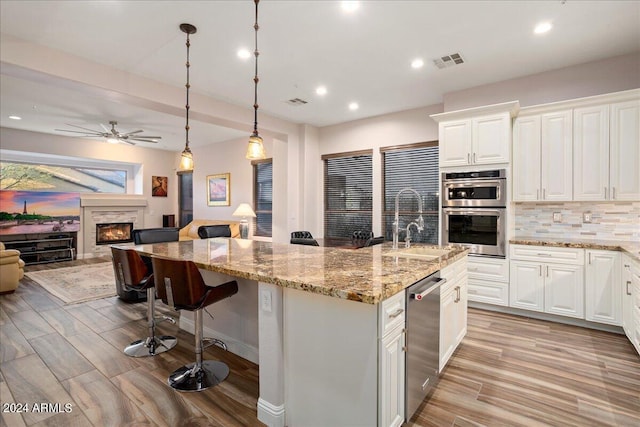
<point>365,275</point>
<point>629,247</point>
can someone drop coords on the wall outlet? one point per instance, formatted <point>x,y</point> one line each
<point>557,217</point>
<point>265,300</point>
<point>587,217</point>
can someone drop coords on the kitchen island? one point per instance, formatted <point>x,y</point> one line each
<point>319,315</point>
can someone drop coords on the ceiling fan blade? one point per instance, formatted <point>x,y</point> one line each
<point>126,142</point>
<point>106,129</point>
<point>131,133</point>
<point>82,132</point>
<point>87,129</point>
<point>144,140</point>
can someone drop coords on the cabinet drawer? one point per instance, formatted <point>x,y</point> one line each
<point>392,313</point>
<point>488,269</point>
<point>453,273</point>
<point>489,292</point>
<point>547,254</point>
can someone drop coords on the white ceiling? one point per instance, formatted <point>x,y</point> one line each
<point>362,56</point>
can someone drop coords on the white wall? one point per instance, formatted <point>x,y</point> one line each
<point>404,127</point>
<point>593,78</point>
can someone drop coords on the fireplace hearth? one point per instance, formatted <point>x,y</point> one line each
<point>114,232</point>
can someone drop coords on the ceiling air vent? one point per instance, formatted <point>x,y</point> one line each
<point>448,60</point>
<point>296,102</point>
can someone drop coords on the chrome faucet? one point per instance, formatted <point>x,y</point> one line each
<point>407,237</point>
<point>396,220</point>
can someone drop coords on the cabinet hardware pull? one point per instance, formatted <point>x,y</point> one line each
<point>474,158</point>
<point>627,266</point>
<point>396,313</point>
<point>468,158</point>
<point>605,193</point>
<point>457,288</point>
<point>628,283</point>
<point>613,193</point>
<point>544,194</point>
<point>537,194</point>
<point>589,258</point>
<point>543,254</point>
<point>540,270</point>
<point>547,271</point>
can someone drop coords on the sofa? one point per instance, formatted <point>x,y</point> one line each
<point>190,231</point>
<point>11,269</point>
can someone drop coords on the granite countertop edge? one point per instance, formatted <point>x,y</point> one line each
<point>631,248</point>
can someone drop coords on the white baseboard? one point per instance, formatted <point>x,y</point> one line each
<point>271,415</point>
<point>239,348</point>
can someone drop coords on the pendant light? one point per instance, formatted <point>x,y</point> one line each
<point>255,150</point>
<point>186,159</point>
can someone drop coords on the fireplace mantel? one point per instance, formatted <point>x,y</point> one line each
<point>111,200</point>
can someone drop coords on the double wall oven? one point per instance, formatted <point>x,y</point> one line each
<point>473,211</point>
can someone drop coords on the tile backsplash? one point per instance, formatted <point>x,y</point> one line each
<point>609,220</point>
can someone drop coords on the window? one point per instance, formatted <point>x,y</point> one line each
<point>347,193</point>
<point>414,166</point>
<point>43,177</point>
<point>262,196</point>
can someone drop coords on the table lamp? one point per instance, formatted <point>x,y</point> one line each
<point>244,210</point>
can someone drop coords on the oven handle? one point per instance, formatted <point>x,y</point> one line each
<point>479,211</point>
<point>473,183</point>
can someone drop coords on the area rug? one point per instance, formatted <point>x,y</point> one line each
<point>78,284</point>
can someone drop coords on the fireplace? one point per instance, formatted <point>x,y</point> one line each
<point>114,232</point>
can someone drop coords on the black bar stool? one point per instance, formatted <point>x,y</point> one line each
<point>134,275</point>
<point>181,286</point>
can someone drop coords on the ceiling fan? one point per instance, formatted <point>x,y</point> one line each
<point>113,135</point>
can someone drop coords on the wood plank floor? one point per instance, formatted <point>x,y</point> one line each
<point>508,371</point>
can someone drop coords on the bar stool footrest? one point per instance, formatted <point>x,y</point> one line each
<point>208,342</point>
<point>190,378</point>
<point>151,346</point>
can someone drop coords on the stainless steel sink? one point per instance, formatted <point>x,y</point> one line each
<point>418,252</point>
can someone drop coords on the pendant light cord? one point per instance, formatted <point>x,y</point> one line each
<point>188,86</point>
<point>256,27</point>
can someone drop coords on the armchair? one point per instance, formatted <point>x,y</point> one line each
<point>11,269</point>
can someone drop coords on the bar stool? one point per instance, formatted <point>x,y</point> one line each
<point>134,275</point>
<point>181,286</point>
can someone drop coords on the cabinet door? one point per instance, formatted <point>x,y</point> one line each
<point>455,143</point>
<point>591,153</point>
<point>557,160</point>
<point>603,298</point>
<point>392,374</point>
<point>491,139</point>
<point>460,301</point>
<point>625,151</point>
<point>564,290</point>
<point>526,159</point>
<point>627,297</point>
<point>526,289</point>
<point>448,329</point>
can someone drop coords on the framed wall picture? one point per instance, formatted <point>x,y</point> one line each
<point>159,186</point>
<point>218,189</point>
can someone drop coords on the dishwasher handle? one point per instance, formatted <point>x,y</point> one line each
<point>419,295</point>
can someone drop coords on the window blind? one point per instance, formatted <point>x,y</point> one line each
<point>263,197</point>
<point>348,189</point>
<point>416,167</point>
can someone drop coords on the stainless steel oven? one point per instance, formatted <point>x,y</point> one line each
<point>473,211</point>
<point>474,189</point>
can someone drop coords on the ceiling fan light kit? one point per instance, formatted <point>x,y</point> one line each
<point>113,135</point>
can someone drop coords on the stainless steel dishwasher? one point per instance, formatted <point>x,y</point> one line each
<point>423,340</point>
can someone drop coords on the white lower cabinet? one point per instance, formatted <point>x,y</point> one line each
<point>391,370</point>
<point>392,374</point>
<point>453,310</point>
<point>488,280</point>
<point>628,323</point>
<point>635,295</point>
<point>603,287</point>
<point>548,286</point>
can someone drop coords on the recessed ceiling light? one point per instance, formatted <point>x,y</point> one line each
<point>350,6</point>
<point>15,117</point>
<point>244,54</point>
<point>353,106</point>
<point>542,28</point>
<point>321,90</point>
<point>417,63</point>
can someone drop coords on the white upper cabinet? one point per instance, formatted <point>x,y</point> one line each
<point>589,150</point>
<point>455,143</point>
<point>591,153</point>
<point>625,151</point>
<point>477,136</point>
<point>542,157</point>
